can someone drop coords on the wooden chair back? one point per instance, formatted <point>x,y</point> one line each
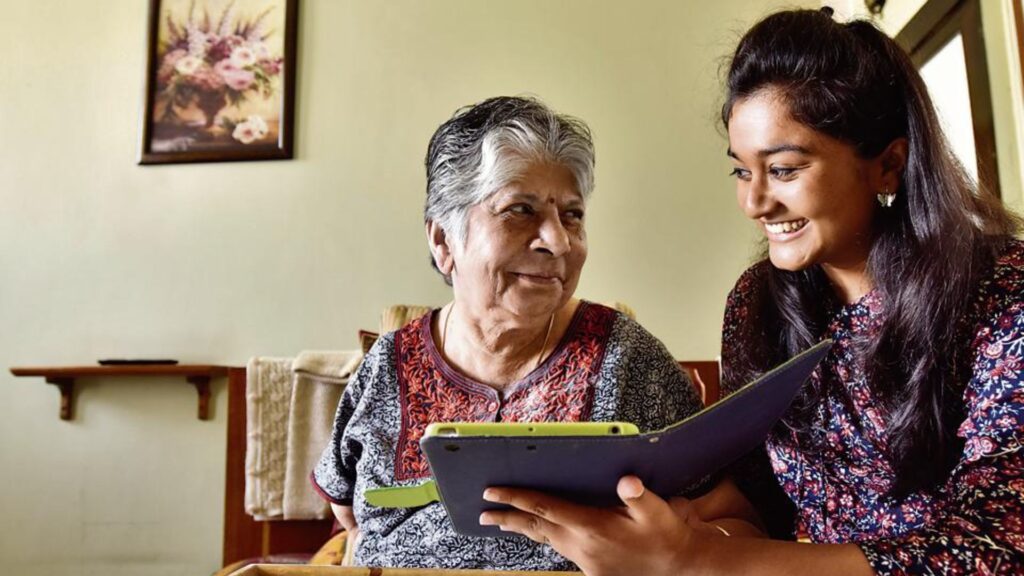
<point>705,377</point>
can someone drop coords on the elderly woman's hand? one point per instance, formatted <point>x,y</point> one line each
<point>348,522</point>
<point>648,536</point>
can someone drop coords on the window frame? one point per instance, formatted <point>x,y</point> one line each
<point>934,25</point>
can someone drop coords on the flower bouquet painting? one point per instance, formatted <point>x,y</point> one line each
<point>221,78</point>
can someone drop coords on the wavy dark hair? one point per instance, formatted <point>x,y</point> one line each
<point>930,249</point>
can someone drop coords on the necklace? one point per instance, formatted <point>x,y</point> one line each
<point>540,354</point>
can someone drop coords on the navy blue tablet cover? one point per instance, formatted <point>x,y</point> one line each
<point>586,469</point>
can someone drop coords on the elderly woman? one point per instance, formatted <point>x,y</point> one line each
<point>507,188</point>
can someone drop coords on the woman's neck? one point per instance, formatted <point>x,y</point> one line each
<point>850,283</point>
<point>494,348</point>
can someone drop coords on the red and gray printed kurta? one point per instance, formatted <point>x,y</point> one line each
<point>606,368</point>
<point>974,522</point>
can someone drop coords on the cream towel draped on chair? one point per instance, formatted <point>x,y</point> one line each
<point>318,381</point>
<point>268,391</point>
<point>290,405</point>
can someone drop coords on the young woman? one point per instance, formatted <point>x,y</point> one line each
<point>904,453</point>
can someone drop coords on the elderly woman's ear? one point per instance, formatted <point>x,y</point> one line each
<point>439,248</point>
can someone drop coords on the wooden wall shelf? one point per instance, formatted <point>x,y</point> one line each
<point>63,377</point>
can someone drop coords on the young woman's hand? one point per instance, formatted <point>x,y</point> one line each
<point>647,536</point>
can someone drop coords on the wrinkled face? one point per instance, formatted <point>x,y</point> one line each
<point>811,194</point>
<point>525,246</point>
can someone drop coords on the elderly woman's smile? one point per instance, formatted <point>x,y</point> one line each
<point>547,280</point>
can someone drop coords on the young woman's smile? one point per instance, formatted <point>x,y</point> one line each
<point>784,230</point>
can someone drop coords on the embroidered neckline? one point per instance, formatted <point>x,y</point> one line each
<point>430,390</point>
<point>463,381</point>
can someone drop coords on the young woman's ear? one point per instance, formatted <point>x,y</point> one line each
<point>893,161</point>
<point>439,248</point>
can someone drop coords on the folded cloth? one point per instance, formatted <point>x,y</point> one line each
<point>330,365</point>
<point>319,379</point>
<point>267,398</point>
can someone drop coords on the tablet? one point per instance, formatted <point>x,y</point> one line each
<point>586,467</point>
<point>488,429</point>
<point>427,492</point>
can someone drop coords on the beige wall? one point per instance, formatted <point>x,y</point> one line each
<point>215,263</point>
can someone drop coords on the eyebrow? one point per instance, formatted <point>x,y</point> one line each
<point>577,200</point>
<point>518,196</point>
<point>773,150</point>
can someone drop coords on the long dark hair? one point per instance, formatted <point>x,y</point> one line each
<point>930,249</point>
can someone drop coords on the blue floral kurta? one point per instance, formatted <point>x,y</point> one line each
<point>973,523</point>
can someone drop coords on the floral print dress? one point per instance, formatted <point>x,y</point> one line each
<point>973,523</point>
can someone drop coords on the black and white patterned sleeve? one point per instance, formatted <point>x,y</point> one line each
<point>334,476</point>
<point>654,392</point>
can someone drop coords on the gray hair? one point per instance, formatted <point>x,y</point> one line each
<point>484,147</point>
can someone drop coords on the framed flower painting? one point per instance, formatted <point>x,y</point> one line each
<point>220,84</point>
